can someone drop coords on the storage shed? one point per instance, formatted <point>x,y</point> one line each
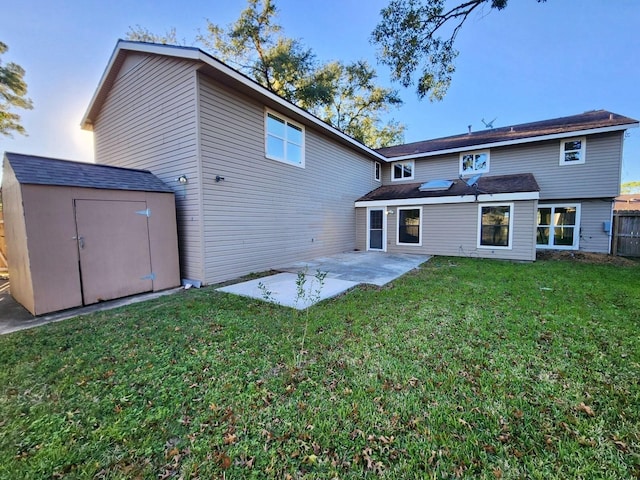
<point>80,233</point>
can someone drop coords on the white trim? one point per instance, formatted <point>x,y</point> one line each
<point>473,171</point>
<point>497,197</point>
<point>583,151</point>
<point>479,237</point>
<point>519,141</point>
<point>287,121</point>
<point>384,229</point>
<point>377,171</point>
<point>413,171</point>
<point>193,53</point>
<point>398,242</point>
<point>576,227</point>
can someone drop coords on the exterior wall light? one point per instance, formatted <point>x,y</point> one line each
<point>182,179</point>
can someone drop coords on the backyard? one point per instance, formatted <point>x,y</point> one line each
<point>464,368</point>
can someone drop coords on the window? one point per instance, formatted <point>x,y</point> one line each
<point>474,162</point>
<point>402,170</point>
<point>284,140</point>
<point>557,227</point>
<point>377,171</point>
<point>495,226</point>
<point>572,151</point>
<point>409,226</point>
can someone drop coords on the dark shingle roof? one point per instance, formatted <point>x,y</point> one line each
<point>575,123</point>
<point>30,169</point>
<point>525,182</point>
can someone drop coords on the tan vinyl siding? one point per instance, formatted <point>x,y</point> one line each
<point>148,121</point>
<point>452,230</point>
<point>598,177</point>
<point>361,228</point>
<point>593,214</point>
<point>265,213</point>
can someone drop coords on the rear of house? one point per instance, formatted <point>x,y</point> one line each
<point>468,195</point>
<point>259,183</point>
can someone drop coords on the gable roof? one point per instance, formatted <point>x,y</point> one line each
<point>33,170</point>
<point>597,121</point>
<point>213,68</point>
<point>500,184</point>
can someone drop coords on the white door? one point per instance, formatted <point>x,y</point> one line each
<point>376,235</point>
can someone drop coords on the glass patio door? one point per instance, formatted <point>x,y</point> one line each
<point>376,229</point>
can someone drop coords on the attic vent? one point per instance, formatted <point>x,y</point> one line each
<point>435,185</point>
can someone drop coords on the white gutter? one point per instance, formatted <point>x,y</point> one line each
<point>483,197</point>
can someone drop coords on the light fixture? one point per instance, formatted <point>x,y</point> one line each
<point>182,179</point>
<point>389,212</point>
<point>219,178</point>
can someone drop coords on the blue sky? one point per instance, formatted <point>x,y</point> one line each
<point>531,61</point>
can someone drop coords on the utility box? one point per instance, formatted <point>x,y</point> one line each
<point>80,233</point>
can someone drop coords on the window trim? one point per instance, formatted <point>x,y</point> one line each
<point>461,170</point>
<point>402,162</point>
<point>398,242</point>
<point>511,206</point>
<point>576,227</point>
<point>377,171</point>
<point>287,122</point>
<point>583,151</point>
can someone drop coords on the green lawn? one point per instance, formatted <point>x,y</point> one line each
<point>465,368</point>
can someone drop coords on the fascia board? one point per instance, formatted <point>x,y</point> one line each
<point>483,197</point>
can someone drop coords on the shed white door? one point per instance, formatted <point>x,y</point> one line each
<point>113,246</point>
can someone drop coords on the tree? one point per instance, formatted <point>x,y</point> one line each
<point>630,187</point>
<point>13,91</point>
<point>344,96</point>
<point>141,34</point>
<point>408,38</point>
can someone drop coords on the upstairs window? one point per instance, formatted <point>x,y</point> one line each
<point>402,170</point>
<point>474,162</point>
<point>572,151</point>
<point>377,168</point>
<point>284,140</point>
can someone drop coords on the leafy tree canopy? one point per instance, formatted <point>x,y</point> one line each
<point>13,91</point>
<point>343,95</point>
<point>630,187</point>
<point>409,41</point>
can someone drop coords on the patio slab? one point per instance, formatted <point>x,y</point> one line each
<point>344,271</point>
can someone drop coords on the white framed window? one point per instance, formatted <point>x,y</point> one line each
<point>573,151</point>
<point>284,139</point>
<point>495,226</point>
<point>558,226</point>
<point>409,230</point>
<point>377,168</point>
<point>474,162</point>
<point>402,170</point>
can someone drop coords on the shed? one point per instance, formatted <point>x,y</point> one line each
<point>80,233</point>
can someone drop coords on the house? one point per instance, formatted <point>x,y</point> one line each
<point>260,183</point>
<point>79,233</point>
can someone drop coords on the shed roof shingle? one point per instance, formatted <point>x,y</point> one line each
<point>34,170</point>
<point>486,185</point>
<point>575,123</point>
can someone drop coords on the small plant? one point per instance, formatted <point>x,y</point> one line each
<point>308,297</point>
<point>267,294</point>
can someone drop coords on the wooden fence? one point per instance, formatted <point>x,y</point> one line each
<point>626,233</point>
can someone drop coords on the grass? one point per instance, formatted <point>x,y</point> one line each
<point>465,368</point>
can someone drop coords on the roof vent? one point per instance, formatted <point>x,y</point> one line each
<point>469,127</point>
<point>611,116</point>
<point>512,130</point>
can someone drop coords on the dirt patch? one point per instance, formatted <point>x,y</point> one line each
<point>586,257</point>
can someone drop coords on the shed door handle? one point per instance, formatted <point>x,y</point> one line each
<point>80,242</point>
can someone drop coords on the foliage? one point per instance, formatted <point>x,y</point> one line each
<point>13,91</point>
<point>408,38</point>
<point>141,34</point>
<point>465,368</point>
<point>343,95</point>
<point>630,187</point>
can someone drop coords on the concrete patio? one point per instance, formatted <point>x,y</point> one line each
<point>343,272</point>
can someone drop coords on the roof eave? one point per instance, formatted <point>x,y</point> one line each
<point>519,141</point>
